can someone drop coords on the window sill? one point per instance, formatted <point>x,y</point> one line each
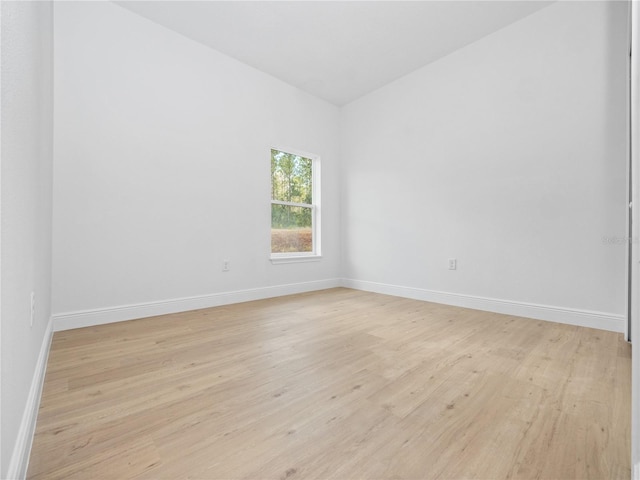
<point>296,259</point>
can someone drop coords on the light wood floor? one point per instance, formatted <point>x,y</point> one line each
<point>338,384</point>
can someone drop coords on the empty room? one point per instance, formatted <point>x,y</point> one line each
<point>319,240</point>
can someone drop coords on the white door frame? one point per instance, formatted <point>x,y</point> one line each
<point>634,265</point>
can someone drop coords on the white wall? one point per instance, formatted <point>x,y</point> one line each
<point>508,155</point>
<point>162,165</point>
<point>25,172</point>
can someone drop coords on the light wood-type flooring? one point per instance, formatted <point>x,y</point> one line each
<point>336,384</point>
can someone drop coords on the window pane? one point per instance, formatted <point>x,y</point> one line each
<point>291,229</point>
<point>291,177</point>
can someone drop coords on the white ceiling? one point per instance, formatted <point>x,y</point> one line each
<point>335,50</point>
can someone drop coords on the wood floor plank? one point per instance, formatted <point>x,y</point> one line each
<point>336,384</point>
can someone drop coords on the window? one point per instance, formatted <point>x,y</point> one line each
<point>295,212</point>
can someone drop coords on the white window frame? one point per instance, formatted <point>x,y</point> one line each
<point>315,255</point>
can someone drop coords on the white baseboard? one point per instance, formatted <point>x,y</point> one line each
<point>582,318</point>
<point>88,318</point>
<point>22,450</point>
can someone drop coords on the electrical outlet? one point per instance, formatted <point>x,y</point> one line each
<point>226,265</point>
<point>33,307</point>
<point>453,264</point>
